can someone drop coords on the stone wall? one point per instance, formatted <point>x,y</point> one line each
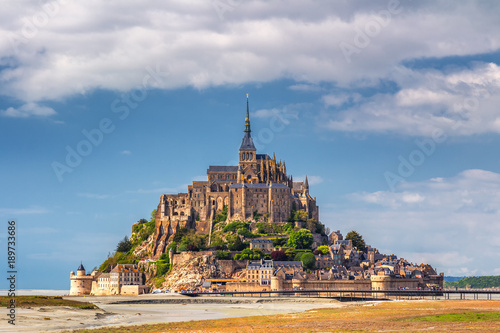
<point>246,286</point>
<point>227,267</point>
<point>384,282</point>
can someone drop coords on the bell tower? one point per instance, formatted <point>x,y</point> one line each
<point>247,164</point>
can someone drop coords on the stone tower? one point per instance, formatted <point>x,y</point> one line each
<point>81,284</point>
<point>247,164</point>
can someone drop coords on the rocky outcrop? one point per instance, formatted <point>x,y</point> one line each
<point>190,274</point>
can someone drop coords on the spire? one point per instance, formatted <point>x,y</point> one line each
<point>306,183</point>
<point>247,142</point>
<point>247,120</point>
<point>81,268</point>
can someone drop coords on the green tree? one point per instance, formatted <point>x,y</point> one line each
<point>235,243</point>
<point>153,214</point>
<point>301,239</point>
<point>323,249</point>
<point>357,240</point>
<point>221,255</point>
<point>308,260</point>
<point>124,245</point>
<point>279,242</point>
<point>300,215</point>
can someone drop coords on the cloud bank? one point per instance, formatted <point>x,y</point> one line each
<point>448,222</point>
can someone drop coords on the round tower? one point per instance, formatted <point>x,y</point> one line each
<point>81,284</point>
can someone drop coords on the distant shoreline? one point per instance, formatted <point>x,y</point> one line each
<point>37,292</point>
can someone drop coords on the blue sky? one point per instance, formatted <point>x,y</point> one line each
<point>390,108</point>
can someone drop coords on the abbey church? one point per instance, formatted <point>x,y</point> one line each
<point>257,186</point>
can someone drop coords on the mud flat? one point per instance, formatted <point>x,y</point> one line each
<point>160,308</point>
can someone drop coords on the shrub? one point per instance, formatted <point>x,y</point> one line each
<point>221,255</point>
<point>308,260</point>
<point>278,255</point>
<point>233,226</point>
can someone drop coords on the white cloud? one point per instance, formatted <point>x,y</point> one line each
<point>451,223</point>
<point>126,152</point>
<point>464,102</point>
<point>28,110</point>
<point>305,87</point>
<point>340,99</point>
<point>13,212</point>
<point>284,114</point>
<point>109,45</point>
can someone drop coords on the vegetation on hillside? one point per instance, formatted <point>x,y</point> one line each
<point>124,252</point>
<point>475,282</point>
<point>357,240</point>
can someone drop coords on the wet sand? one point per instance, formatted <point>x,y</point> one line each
<point>160,308</point>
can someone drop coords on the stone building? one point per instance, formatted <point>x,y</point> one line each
<point>124,279</point>
<point>258,185</point>
<point>260,272</point>
<point>80,283</point>
<point>265,245</point>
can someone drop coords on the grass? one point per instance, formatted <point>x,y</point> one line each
<point>39,301</point>
<point>466,317</point>
<point>406,316</point>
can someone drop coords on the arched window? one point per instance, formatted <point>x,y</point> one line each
<point>251,156</point>
<point>247,156</point>
<point>243,156</point>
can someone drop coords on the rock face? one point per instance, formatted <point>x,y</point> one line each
<point>144,249</point>
<point>190,274</point>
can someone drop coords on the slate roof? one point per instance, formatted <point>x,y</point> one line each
<point>222,168</point>
<point>258,185</point>
<point>260,240</point>
<point>247,142</point>
<point>263,157</point>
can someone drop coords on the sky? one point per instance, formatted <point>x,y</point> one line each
<point>389,107</point>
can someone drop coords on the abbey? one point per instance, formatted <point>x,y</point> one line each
<point>257,186</point>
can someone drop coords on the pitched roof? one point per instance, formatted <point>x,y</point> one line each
<point>257,185</point>
<point>222,168</point>
<point>125,268</point>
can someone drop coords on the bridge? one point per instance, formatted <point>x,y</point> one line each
<point>346,294</point>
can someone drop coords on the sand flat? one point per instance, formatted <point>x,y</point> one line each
<point>162,308</point>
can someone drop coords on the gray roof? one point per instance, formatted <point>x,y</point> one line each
<point>247,142</point>
<point>263,157</point>
<point>261,240</point>
<point>287,263</point>
<point>222,168</point>
<point>298,185</point>
<point>258,185</point>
